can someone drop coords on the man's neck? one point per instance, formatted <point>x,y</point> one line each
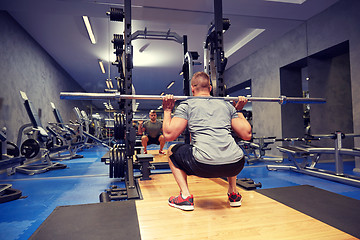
<point>206,94</point>
<point>202,95</point>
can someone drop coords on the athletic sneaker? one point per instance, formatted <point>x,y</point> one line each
<point>234,199</point>
<point>186,204</point>
<point>145,152</point>
<point>161,152</point>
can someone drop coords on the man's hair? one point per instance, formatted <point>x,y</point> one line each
<point>200,81</point>
<point>152,111</point>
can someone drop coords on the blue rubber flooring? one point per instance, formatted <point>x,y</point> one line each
<point>85,178</point>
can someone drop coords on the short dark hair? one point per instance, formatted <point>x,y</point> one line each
<point>200,80</point>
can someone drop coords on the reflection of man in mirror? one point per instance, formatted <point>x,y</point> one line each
<point>152,132</point>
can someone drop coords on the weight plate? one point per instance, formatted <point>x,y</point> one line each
<point>116,126</point>
<point>116,170</point>
<point>49,143</point>
<point>12,149</point>
<point>59,142</point>
<point>111,166</point>
<point>121,163</point>
<point>30,148</point>
<point>122,127</point>
<point>124,162</point>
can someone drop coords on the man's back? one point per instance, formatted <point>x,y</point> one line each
<point>209,122</point>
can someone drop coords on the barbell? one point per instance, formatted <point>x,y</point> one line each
<point>117,96</point>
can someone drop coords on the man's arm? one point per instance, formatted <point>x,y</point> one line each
<point>172,127</point>
<point>240,125</point>
<point>141,129</point>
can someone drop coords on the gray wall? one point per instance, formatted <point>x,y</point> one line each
<point>335,25</point>
<point>25,66</point>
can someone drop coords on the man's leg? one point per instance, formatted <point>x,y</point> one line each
<point>144,141</point>
<point>180,176</point>
<point>162,143</point>
<point>232,184</point>
<point>233,195</point>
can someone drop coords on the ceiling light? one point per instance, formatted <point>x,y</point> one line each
<point>101,66</point>
<point>144,47</point>
<point>170,84</point>
<point>288,1</point>
<point>89,29</point>
<point>245,40</point>
<point>109,84</point>
<point>162,93</point>
<point>247,88</point>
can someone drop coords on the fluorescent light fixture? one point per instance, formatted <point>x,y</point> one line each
<point>170,84</point>
<point>248,95</point>
<point>109,84</point>
<point>247,88</point>
<point>245,40</point>
<point>162,93</point>
<point>101,66</point>
<point>288,1</point>
<point>89,29</point>
<point>52,105</point>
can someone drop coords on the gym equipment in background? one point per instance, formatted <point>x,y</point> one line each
<point>310,156</point>
<point>34,148</point>
<point>9,160</point>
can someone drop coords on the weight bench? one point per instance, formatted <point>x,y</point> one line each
<point>144,160</point>
<point>310,156</point>
<point>255,150</point>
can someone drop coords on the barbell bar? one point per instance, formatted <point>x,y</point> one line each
<point>118,96</point>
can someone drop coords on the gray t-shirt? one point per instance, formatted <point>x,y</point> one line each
<point>209,122</point>
<point>153,129</point>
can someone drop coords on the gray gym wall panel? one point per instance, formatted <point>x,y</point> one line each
<point>292,121</point>
<point>337,24</point>
<point>26,66</point>
<point>263,68</point>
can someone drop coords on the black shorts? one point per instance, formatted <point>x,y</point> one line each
<point>183,159</point>
<point>153,140</point>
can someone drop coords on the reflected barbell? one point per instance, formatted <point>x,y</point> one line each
<point>117,96</point>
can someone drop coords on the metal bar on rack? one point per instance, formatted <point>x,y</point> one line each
<point>118,96</point>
